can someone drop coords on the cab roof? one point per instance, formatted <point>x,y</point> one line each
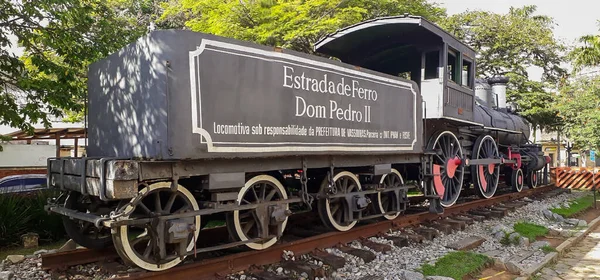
<point>386,36</point>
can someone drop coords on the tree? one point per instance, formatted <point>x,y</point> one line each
<point>580,99</point>
<point>587,55</point>
<point>578,107</point>
<point>59,40</point>
<point>508,44</point>
<point>291,24</point>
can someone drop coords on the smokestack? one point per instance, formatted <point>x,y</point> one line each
<point>499,89</point>
<point>483,92</point>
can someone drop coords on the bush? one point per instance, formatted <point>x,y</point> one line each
<point>23,213</point>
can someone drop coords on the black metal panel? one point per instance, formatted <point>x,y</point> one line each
<point>244,100</point>
<point>225,181</point>
<point>373,37</point>
<point>458,102</point>
<point>380,169</point>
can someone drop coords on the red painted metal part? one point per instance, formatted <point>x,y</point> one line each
<point>437,180</point>
<point>514,156</point>
<point>482,181</point>
<point>452,165</point>
<point>491,167</point>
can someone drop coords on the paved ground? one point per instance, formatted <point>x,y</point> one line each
<point>582,262</point>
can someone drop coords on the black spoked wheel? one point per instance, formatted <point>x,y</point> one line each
<point>447,167</point>
<point>84,233</point>
<point>245,224</point>
<point>386,201</point>
<point>139,244</point>
<point>532,179</point>
<point>517,180</point>
<point>333,210</point>
<point>485,177</point>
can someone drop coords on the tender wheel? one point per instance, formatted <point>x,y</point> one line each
<point>386,202</point>
<point>517,180</point>
<point>333,211</point>
<point>84,233</point>
<point>245,224</point>
<point>139,244</point>
<point>532,180</point>
<point>448,167</point>
<point>485,177</point>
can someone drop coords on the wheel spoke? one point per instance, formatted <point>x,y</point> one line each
<point>442,145</point>
<point>338,216</point>
<point>148,249</point>
<point>350,188</point>
<point>170,202</point>
<point>271,194</point>
<point>263,191</point>
<point>247,214</point>
<point>335,208</point>
<point>255,194</point>
<point>248,226</point>
<point>157,204</point>
<point>144,208</point>
<point>182,209</point>
<point>440,159</point>
<point>346,182</point>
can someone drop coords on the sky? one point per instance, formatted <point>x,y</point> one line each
<point>574,18</point>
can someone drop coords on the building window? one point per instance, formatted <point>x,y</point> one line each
<point>432,62</point>
<point>453,66</point>
<point>467,73</point>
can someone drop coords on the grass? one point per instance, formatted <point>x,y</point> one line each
<point>547,249</point>
<point>22,251</point>
<point>529,230</point>
<point>578,206</point>
<point>457,265</point>
<point>214,224</point>
<point>414,192</point>
<point>506,240</point>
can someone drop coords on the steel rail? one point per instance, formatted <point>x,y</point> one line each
<point>219,267</point>
<point>65,259</point>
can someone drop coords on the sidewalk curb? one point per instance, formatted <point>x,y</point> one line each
<point>562,248</point>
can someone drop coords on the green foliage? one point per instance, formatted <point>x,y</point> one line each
<point>579,205</point>
<point>578,106</point>
<point>457,265</point>
<point>506,240</point>
<point>587,54</point>
<point>547,249</point>
<point>508,44</point>
<point>20,214</point>
<point>59,39</point>
<point>530,230</point>
<point>291,24</point>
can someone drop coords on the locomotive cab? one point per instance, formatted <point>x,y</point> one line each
<point>410,46</point>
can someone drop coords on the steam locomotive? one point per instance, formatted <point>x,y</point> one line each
<point>185,128</point>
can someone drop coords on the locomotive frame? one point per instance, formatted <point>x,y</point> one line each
<point>164,184</point>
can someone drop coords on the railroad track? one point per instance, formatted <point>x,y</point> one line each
<point>218,267</point>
